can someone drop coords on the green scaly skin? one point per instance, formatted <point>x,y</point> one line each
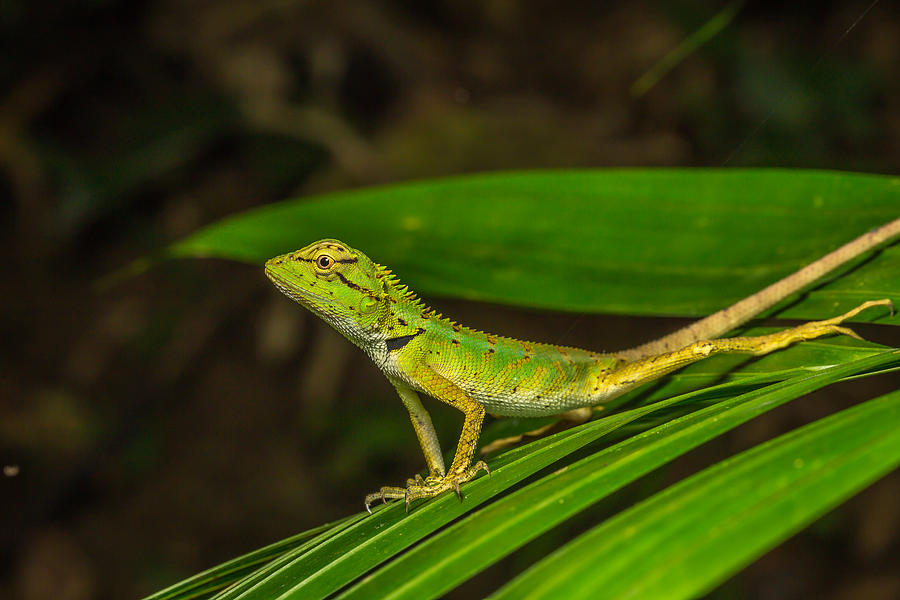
<point>419,351</point>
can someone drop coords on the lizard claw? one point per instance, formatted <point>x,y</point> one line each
<point>384,494</point>
<point>433,485</point>
<point>480,466</point>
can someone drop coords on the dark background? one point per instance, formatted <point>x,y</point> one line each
<point>193,414</point>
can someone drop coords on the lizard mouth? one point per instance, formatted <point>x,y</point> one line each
<point>293,291</point>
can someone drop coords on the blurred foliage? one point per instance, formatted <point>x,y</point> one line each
<point>127,125</point>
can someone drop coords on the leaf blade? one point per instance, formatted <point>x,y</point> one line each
<point>685,539</point>
<point>461,550</point>
<point>365,544</point>
<point>606,237</point>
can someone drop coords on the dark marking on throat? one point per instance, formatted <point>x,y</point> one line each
<point>395,343</point>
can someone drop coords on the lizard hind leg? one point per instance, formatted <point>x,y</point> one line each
<point>814,329</point>
<point>756,345</point>
<point>635,373</point>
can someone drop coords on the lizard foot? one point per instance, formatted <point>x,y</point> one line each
<point>815,329</point>
<point>429,487</point>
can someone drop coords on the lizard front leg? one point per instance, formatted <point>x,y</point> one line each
<point>421,422</point>
<point>428,440</point>
<point>461,469</point>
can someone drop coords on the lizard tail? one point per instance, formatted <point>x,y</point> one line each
<point>717,324</point>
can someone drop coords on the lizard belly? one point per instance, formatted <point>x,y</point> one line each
<point>513,396</point>
<point>528,391</point>
<point>540,403</point>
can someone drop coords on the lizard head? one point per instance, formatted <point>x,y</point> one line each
<point>337,283</point>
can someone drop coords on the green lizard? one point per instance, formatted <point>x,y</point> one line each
<point>419,351</point>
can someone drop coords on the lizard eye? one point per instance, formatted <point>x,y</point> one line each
<point>324,262</point>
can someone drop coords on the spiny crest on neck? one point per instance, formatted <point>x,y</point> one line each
<point>393,284</point>
<point>400,292</point>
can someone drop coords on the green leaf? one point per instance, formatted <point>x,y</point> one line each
<point>593,240</point>
<point>203,584</point>
<point>364,544</point>
<point>320,561</point>
<point>686,539</point>
<point>487,535</point>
